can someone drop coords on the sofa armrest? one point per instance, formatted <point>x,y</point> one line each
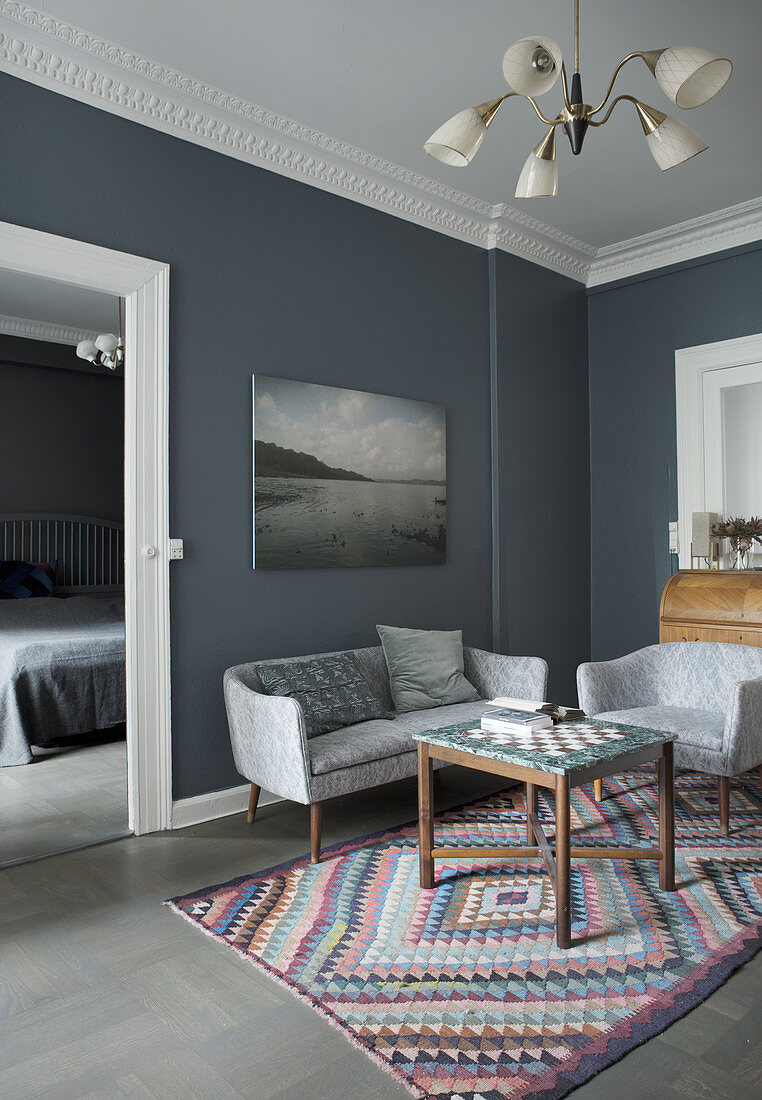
<point>268,739</point>
<point>495,674</point>
<point>742,741</point>
<point>620,684</point>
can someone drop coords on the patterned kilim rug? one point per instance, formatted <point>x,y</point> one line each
<point>460,991</point>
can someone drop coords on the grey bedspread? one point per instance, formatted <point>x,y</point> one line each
<point>61,670</point>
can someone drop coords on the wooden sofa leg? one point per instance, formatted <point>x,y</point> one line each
<point>253,800</point>
<point>316,826</point>
<point>598,789</point>
<point>723,785</point>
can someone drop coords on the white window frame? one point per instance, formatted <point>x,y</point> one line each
<point>691,364</point>
<point>144,284</point>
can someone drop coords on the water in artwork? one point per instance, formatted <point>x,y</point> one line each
<point>309,523</point>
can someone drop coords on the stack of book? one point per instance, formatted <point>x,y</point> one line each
<point>512,720</point>
<point>554,710</point>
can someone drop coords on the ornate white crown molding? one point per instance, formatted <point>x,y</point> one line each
<point>724,229</point>
<point>41,330</point>
<point>66,59</point>
<point>58,56</point>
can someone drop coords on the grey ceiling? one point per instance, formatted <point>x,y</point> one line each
<point>382,74</point>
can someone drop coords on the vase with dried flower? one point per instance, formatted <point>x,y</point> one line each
<point>743,533</point>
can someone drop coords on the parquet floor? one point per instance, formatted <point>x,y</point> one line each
<point>105,993</point>
<point>64,799</point>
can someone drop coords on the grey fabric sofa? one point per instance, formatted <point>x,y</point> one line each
<point>271,749</point>
<point>707,693</point>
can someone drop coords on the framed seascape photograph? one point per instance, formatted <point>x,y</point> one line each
<point>346,478</point>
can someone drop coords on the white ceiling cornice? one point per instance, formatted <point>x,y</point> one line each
<point>42,330</point>
<point>66,59</point>
<point>729,228</point>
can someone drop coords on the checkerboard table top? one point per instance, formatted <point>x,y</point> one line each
<point>561,749</point>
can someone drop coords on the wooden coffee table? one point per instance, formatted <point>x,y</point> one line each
<point>559,759</point>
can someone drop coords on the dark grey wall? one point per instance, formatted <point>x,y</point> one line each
<point>61,432</point>
<point>542,468</point>
<point>269,275</point>
<point>634,330</point>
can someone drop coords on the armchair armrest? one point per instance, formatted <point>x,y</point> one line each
<point>268,739</point>
<point>620,684</point>
<point>742,740</point>
<point>495,674</point>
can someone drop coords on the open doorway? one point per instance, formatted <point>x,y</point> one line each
<point>63,766</point>
<point>143,284</point>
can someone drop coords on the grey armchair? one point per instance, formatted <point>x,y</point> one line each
<point>707,693</point>
<point>271,749</point>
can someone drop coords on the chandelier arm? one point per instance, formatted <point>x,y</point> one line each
<point>607,116</point>
<point>541,116</point>
<point>565,87</point>
<point>614,75</point>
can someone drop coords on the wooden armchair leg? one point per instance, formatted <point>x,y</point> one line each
<point>598,789</point>
<point>253,800</point>
<point>723,785</point>
<point>316,827</point>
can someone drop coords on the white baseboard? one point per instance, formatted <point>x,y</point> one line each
<point>207,807</point>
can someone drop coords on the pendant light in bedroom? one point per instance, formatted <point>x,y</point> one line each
<point>106,350</point>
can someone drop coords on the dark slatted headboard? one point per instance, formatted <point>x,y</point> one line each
<point>89,551</point>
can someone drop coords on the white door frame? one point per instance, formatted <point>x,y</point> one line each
<point>144,284</point>
<point>691,364</point>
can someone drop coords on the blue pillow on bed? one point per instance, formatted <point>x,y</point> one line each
<point>20,580</point>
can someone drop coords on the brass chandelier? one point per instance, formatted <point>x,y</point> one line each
<point>687,75</point>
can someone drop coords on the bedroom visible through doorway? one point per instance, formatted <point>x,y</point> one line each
<point>63,753</point>
<point>143,284</point>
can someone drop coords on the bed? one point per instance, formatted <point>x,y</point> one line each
<point>62,671</point>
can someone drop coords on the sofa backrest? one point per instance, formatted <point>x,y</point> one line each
<point>700,674</point>
<point>372,664</point>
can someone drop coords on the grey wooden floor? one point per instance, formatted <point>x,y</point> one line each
<point>106,993</point>
<point>64,799</point>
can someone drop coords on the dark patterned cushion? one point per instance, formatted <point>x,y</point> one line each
<point>21,579</point>
<point>331,690</point>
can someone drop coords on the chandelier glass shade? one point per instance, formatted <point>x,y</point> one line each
<point>688,76</point>
<point>457,140</point>
<point>539,176</point>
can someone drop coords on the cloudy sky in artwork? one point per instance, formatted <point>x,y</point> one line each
<point>386,438</point>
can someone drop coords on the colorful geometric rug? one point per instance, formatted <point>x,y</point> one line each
<point>460,991</point>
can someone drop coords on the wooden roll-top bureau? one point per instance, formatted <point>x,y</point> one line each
<point>712,605</point>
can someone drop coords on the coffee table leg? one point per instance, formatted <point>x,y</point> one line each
<point>425,817</point>
<point>667,817</point>
<point>563,863</point>
<point>531,801</point>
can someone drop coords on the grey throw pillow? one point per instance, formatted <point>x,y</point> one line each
<point>331,690</point>
<point>425,667</point>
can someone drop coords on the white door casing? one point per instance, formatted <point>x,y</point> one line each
<point>144,284</point>
<point>701,373</point>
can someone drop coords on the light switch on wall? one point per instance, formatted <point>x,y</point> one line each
<point>175,549</point>
<point>674,539</point>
